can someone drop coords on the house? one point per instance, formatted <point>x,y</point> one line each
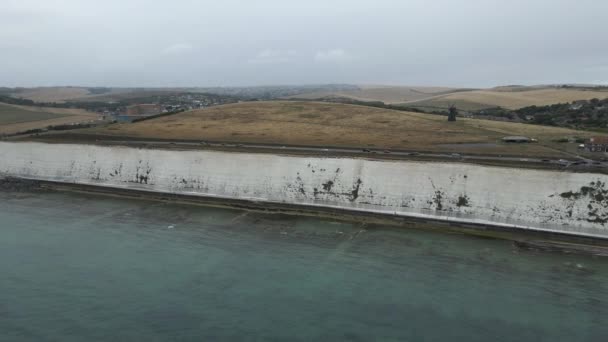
<point>576,105</point>
<point>597,144</point>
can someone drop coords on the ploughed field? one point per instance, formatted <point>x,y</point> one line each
<point>14,118</point>
<point>329,124</point>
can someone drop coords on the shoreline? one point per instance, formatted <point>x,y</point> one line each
<point>536,240</point>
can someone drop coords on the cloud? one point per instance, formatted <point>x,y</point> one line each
<point>597,68</point>
<point>270,56</point>
<point>332,56</point>
<point>178,49</point>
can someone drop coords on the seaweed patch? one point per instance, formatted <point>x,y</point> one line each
<point>463,201</point>
<point>597,207</point>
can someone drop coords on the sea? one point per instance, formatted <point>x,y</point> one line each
<point>82,267</point>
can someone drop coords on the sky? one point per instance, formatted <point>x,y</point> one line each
<point>186,43</point>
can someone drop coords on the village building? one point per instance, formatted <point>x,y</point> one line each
<point>597,144</point>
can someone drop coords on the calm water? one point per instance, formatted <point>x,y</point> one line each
<point>76,268</point>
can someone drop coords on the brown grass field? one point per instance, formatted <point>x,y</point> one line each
<point>327,124</point>
<point>14,118</point>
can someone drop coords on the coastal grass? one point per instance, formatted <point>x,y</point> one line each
<point>329,124</point>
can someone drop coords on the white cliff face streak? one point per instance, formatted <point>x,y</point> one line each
<point>574,203</point>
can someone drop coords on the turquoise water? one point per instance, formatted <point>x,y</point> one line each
<point>85,268</point>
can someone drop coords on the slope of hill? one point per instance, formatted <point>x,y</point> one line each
<point>330,124</point>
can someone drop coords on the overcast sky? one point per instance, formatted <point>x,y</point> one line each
<point>471,43</point>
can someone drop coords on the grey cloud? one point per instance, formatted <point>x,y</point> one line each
<point>237,42</point>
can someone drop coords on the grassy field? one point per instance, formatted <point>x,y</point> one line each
<point>15,118</point>
<point>327,124</point>
<point>515,99</point>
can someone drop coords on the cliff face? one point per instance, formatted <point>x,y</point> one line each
<point>575,203</point>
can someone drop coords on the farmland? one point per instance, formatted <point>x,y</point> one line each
<point>10,114</point>
<point>386,94</point>
<point>426,98</point>
<point>509,99</point>
<point>439,98</point>
<point>63,94</point>
<point>15,118</point>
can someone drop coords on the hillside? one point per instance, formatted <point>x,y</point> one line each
<point>14,118</point>
<point>329,124</point>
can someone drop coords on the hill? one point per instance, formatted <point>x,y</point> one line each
<point>330,124</point>
<point>15,118</point>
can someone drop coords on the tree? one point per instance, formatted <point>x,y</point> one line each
<point>452,112</point>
